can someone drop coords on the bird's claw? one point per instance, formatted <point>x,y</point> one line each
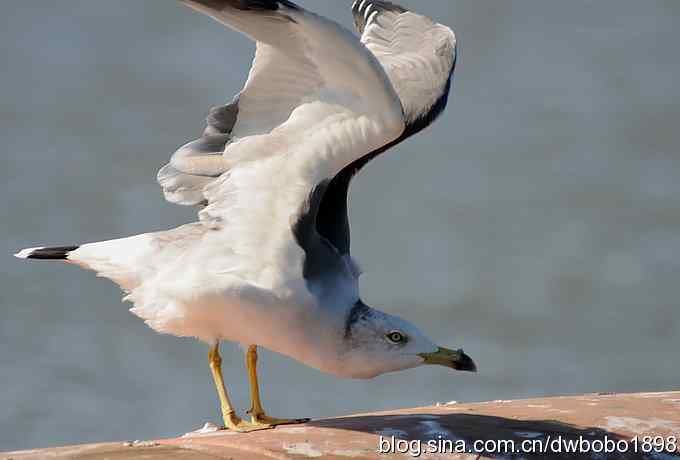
<point>233,422</point>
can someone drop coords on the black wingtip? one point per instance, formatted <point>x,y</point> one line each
<point>57,253</point>
<point>243,5</point>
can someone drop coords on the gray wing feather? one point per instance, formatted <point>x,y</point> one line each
<point>198,163</point>
<point>221,119</point>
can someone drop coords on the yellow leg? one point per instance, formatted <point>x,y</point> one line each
<point>256,411</point>
<point>231,420</point>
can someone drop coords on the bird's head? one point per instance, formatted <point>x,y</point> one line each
<point>377,343</point>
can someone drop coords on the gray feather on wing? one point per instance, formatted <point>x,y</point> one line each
<point>198,163</point>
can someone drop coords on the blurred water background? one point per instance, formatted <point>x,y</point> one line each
<point>537,224</point>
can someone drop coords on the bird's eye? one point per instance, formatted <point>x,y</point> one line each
<point>396,337</point>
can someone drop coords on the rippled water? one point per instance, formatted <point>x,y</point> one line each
<point>537,225</point>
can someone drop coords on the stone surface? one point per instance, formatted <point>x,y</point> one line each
<point>589,418</point>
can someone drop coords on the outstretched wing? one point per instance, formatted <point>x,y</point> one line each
<point>300,59</point>
<point>316,100</point>
<point>419,57</point>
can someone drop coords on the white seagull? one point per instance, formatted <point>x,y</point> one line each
<point>268,264</point>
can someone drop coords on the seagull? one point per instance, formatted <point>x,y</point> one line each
<point>268,263</point>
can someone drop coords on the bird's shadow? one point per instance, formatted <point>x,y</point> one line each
<point>416,433</point>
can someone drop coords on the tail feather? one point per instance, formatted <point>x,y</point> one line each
<point>125,261</point>
<point>122,261</point>
<point>147,267</point>
<point>57,253</point>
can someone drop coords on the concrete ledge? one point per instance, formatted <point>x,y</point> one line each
<point>589,418</point>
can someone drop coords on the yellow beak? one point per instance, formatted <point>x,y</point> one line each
<point>455,359</point>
